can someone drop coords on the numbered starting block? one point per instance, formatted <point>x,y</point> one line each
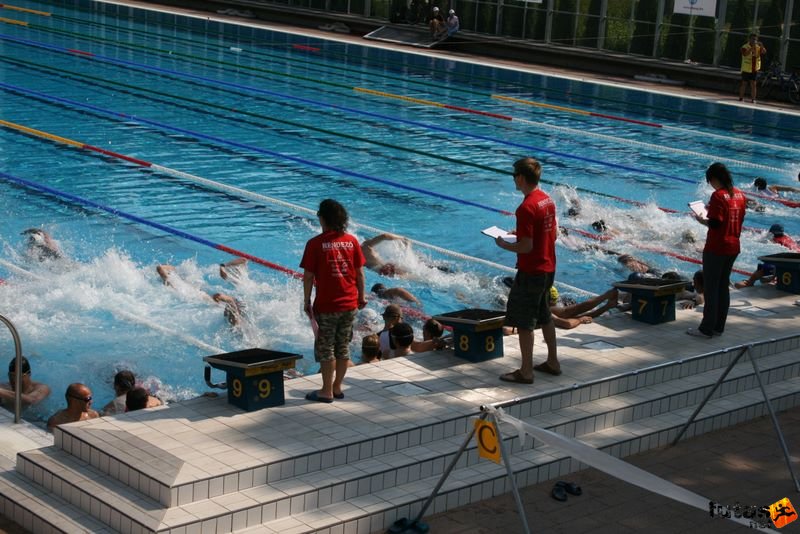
<point>254,376</point>
<point>652,299</point>
<point>787,270</point>
<point>477,334</point>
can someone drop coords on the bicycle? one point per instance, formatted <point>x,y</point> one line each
<point>774,77</point>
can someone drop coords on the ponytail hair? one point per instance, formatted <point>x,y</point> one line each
<point>721,173</point>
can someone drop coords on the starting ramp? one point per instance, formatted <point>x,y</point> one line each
<point>409,35</point>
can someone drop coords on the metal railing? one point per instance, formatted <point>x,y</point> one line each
<point>17,368</point>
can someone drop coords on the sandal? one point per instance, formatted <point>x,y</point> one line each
<point>545,368</point>
<point>569,487</point>
<point>314,396</point>
<point>516,377</point>
<point>559,493</point>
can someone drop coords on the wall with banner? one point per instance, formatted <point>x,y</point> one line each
<point>699,31</point>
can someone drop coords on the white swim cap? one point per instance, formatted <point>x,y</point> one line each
<point>452,12</point>
<point>436,9</point>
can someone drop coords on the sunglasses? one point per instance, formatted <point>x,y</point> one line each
<point>84,399</point>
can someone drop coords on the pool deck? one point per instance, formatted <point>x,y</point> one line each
<point>206,454</point>
<point>199,453</point>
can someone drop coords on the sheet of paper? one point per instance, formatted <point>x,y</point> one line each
<point>495,232</point>
<point>699,208</point>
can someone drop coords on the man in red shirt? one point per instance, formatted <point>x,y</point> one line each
<point>724,220</point>
<point>333,261</point>
<point>528,302</point>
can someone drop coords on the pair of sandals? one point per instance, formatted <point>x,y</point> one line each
<point>562,488</point>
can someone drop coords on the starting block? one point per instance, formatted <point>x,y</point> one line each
<point>652,299</point>
<point>787,270</point>
<point>477,334</point>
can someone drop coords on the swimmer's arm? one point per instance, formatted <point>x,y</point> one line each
<point>39,393</point>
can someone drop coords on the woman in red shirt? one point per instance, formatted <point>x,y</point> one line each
<point>724,220</point>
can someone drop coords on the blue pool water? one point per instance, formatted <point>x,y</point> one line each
<point>290,120</point>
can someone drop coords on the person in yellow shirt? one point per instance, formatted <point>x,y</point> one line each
<point>751,64</point>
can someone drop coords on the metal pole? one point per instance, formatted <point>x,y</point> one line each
<point>507,461</point>
<point>446,473</point>
<point>17,367</point>
<point>708,396</point>
<point>774,422</point>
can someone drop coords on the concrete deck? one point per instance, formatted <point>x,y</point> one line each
<point>188,454</point>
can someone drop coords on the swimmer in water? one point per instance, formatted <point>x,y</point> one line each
<point>41,246</point>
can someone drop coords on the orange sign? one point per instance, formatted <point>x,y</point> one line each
<point>488,446</point>
<point>782,513</point>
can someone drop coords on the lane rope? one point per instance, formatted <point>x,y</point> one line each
<point>252,148</point>
<point>260,53</point>
<point>343,108</point>
<point>163,227</point>
<point>258,197</point>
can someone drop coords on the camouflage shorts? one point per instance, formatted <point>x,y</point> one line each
<point>334,336</point>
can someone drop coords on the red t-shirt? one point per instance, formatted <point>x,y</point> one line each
<point>787,242</point>
<point>728,210</point>
<point>335,259</point>
<point>536,218</point>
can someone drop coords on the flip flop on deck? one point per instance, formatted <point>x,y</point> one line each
<point>516,377</point>
<point>313,396</point>
<point>545,368</point>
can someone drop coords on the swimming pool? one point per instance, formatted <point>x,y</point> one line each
<point>410,144</point>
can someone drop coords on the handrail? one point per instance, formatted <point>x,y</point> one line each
<point>17,367</point>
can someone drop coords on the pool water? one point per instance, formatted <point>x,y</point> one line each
<point>410,144</point>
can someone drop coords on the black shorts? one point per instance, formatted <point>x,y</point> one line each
<point>749,76</point>
<point>529,301</point>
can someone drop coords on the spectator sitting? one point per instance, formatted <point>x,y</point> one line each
<point>452,22</point>
<point>79,407</point>
<point>776,230</point>
<point>432,332</point>
<point>41,246</point>
<point>402,336</point>
<point>125,381</point>
<point>32,392</point>
<point>436,23</point>
<point>370,349</point>
<point>390,293</point>
<point>392,315</point>
<point>137,399</point>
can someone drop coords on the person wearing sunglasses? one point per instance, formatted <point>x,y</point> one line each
<point>79,407</point>
<point>32,392</point>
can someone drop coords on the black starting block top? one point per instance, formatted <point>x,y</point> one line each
<point>253,361</point>
<point>656,286</point>
<point>787,257</point>
<point>473,316</point>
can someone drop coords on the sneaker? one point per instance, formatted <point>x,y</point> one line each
<point>696,332</point>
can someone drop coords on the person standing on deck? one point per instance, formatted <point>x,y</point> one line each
<point>724,220</point>
<point>528,302</point>
<point>751,64</point>
<point>334,263</point>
